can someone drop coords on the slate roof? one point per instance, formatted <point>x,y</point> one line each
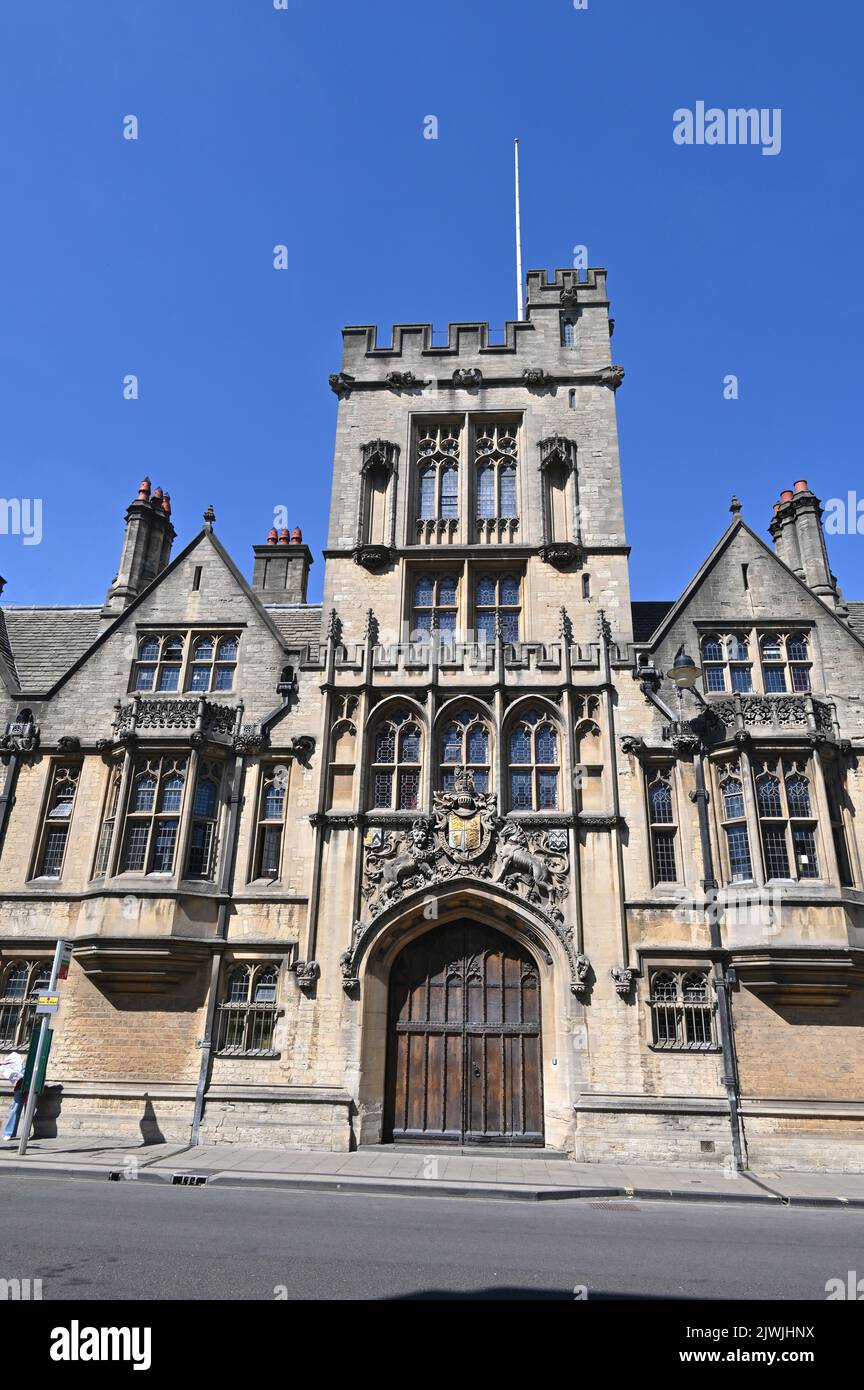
<point>856,616</point>
<point>7,657</point>
<point>647,617</point>
<point>298,623</point>
<point>45,641</point>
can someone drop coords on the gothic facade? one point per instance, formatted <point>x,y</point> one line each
<point>478,850</point>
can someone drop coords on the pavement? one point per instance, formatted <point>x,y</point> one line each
<point>540,1175</point>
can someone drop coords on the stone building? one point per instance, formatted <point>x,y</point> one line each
<point>479,850</point>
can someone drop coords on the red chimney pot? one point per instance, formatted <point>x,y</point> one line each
<point>296,536</point>
<point>283,537</point>
<point>144,490</point>
<point>271,536</point>
<point>801,485</point>
<point>787,495</point>
<point>166,504</point>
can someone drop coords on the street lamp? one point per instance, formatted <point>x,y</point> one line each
<point>684,673</point>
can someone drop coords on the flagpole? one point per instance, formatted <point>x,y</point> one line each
<point>518,235</point>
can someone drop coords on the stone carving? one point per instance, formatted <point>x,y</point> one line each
<point>373,557</point>
<point>21,736</point>
<point>307,972</point>
<point>561,554</point>
<point>204,716</point>
<point>581,971</point>
<point>623,977</point>
<point>540,870</point>
<point>398,862</point>
<point>404,381</point>
<point>69,743</point>
<point>466,836</point>
<point>535,376</point>
<point>611,377</point>
<point>251,739</point>
<point>777,712</point>
<point>341,382</point>
<point>467,377</point>
<point>570,297</point>
<point>350,972</point>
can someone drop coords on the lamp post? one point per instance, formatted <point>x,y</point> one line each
<point>685,675</point>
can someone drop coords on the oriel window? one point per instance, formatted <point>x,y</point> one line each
<point>153,815</point>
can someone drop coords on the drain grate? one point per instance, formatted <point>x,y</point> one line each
<point>189,1179</point>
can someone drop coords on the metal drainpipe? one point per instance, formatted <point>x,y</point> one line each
<point>225,879</point>
<point>8,794</point>
<point>723,979</point>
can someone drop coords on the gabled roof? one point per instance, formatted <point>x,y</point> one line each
<point>737,525</point>
<point>44,640</point>
<point>54,642</point>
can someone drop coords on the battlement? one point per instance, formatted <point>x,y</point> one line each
<point>565,290</point>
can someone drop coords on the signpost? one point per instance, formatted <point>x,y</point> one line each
<point>37,1059</point>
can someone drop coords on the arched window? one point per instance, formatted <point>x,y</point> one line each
<point>681,1011</point>
<point>396,763</point>
<point>534,763</point>
<point>495,462</point>
<point>160,659</point>
<point>734,818</point>
<point>58,814</point>
<point>662,826</point>
<point>568,332</point>
<point>248,1012</point>
<point>465,742</point>
<point>438,449</point>
<point>271,822</point>
<point>213,663</point>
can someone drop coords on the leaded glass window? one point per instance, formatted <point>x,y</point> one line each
<point>534,762</point>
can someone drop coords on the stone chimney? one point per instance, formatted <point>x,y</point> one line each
<point>799,541</point>
<point>146,548</point>
<point>281,567</point>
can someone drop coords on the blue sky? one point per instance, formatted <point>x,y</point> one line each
<point>305,127</point>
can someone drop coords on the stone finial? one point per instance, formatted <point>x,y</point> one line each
<point>209,517</point>
<point>334,627</point>
<point>735,506</point>
<point>565,626</point>
<point>604,629</point>
<point>370,631</point>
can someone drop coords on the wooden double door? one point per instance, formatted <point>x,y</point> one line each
<point>465,1053</point>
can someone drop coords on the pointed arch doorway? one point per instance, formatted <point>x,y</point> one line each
<point>464,1040</point>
